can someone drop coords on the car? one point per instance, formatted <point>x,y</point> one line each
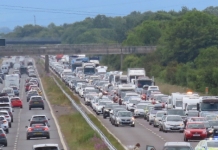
<point>16,102</point>
<point>113,113</point>
<point>173,123</point>
<point>7,116</point>
<point>28,85</point>
<point>158,117</point>
<point>46,147</point>
<point>107,109</point>
<point>10,111</point>
<point>39,119</point>
<point>16,90</point>
<point>4,124</point>
<point>195,130</point>
<point>100,105</point>
<point>36,102</point>
<point>3,138</point>
<point>139,110</point>
<point>37,130</point>
<point>207,144</point>
<point>173,146</point>
<point>124,118</point>
<point>30,94</point>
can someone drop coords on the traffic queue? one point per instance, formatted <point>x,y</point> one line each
<point>122,99</point>
<point>14,71</point>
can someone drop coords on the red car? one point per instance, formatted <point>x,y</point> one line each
<point>195,131</point>
<point>16,102</point>
<point>27,86</point>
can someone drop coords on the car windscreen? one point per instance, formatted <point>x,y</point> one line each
<point>140,106</point>
<point>176,112</point>
<point>160,114</point>
<point>133,101</point>
<point>2,118</point>
<point>177,148</point>
<point>4,100</point>
<point>213,123</point>
<point>212,144</point>
<point>192,107</point>
<point>193,114</point>
<point>196,126</point>
<point>7,91</point>
<point>153,111</point>
<point>92,90</point>
<point>207,125</point>
<point>47,148</point>
<point>174,118</point>
<point>125,114</point>
<point>211,117</point>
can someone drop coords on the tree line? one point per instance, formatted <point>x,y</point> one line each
<point>186,41</point>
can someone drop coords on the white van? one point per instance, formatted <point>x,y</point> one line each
<point>46,147</point>
<point>16,66</point>
<point>5,69</point>
<point>12,80</point>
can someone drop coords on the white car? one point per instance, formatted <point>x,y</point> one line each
<point>4,123</point>
<point>9,91</point>
<point>100,105</point>
<point>140,110</point>
<point>46,146</point>
<point>130,104</point>
<point>7,116</point>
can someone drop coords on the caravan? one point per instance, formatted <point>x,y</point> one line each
<point>12,80</point>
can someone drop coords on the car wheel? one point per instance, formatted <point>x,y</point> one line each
<point>12,120</point>
<point>48,137</point>
<point>150,123</point>
<point>104,117</point>
<point>43,108</point>
<point>7,131</point>
<point>133,125</point>
<point>154,125</point>
<point>159,128</point>
<point>185,139</point>
<point>29,108</point>
<point>6,144</point>
<point>10,125</point>
<point>97,113</point>
<point>28,138</point>
<point>21,106</point>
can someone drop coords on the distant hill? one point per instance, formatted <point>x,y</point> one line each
<point>5,30</point>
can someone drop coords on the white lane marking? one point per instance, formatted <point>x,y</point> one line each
<point>52,112</point>
<point>151,131</point>
<point>18,130</point>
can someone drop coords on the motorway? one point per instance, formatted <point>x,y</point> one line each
<point>143,133</point>
<point>17,134</point>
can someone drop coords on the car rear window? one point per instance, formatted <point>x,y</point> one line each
<point>3,113</point>
<point>4,105</point>
<point>36,98</point>
<point>39,118</point>
<point>2,118</point>
<point>4,100</point>
<point>15,99</point>
<point>47,148</point>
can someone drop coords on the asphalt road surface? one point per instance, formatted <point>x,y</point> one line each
<point>17,134</point>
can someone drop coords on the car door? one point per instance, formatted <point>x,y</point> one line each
<point>149,147</point>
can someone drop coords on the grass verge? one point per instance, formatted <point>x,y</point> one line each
<point>78,134</point>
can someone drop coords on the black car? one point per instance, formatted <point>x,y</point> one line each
<point>106,110</point>
<point>36,102</point>
<point>2,75</point>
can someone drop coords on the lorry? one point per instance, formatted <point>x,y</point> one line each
<point>88,68</point>
<point>141,82</point>
<point>114,77</point>
<point>135,73</point>
<point>77,61</point>
<point>12,80</point>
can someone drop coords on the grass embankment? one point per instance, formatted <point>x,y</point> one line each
<point>78,134</point>
<point>93,118</point>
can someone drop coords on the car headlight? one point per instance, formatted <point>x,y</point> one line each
<point>211,131</point>
<point>132,118</point>
<point>188,132</point>
<point>181,124</point>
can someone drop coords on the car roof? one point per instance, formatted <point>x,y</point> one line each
<point>38,115</point>
<point>44,145</point>
<point>177,144</point>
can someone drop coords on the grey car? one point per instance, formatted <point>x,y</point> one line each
<point>123,118</point>
<point>173,123</point>
<point>158,117</point>
<point>113,114</point>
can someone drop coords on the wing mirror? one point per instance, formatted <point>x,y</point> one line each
<point>12,110</point>
<point>28,119</point>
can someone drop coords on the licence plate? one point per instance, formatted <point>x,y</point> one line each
<point>38,133</point>
<point>36,102</point>
<point>196,135</point>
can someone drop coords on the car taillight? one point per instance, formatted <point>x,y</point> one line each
<point>45,129</point>
<point>45,121</point>
<point>6,116</point>
<point>2,135</point>
<point>30,129</point>
<point>4,122</point>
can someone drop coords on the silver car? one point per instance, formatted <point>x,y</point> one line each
<point>124,118</point>
<point>140,110</point>
<point>173,123</point>
<point>158,118</point>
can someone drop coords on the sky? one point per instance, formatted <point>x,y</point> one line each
<point>43,12</point>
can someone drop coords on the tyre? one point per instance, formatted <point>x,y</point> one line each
<point>43,108</point>
<point>29,108</point>
<point>133,125</point>
<point>150,123</point>
<point>159,128</point>
<point>28,138</point>
<point>48,137</point>
<point>9,124</point>
<point>154,125</point>
<point>12,119</point>
<point>185,139</point>
<point>21,106</point>
<point>7,131</point>
<point>6,144</point>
